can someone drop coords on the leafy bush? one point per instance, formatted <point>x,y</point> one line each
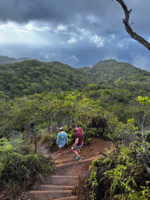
<point>52,139</point>
<point>45,138</point>
<point>89,134</point>
<point>18,170</point>
<point>39,137</point>
<point>71,136</point>
<point>120,174</point>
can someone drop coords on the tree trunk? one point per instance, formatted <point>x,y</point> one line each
<point>48,127</point>
<point>35,140</point>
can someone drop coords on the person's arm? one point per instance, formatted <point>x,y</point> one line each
<point>76,142</point>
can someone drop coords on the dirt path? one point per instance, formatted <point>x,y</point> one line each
<point>67,172</point>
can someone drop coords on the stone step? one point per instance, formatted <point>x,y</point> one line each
<point>47,195</point>
<point>57,156</point>
<point>68,198</point>
<point>69,153</point>
<point>56,187</point>
<point>64,156</point>
<point>64,180</point>
<point>44,150</point>
<point>78,162</point>
<point>67,160</point>
<point>57,152</point>
<point>67,156</point>
<point>49,191</point>
<point>64,160</point>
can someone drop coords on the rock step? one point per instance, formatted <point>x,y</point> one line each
<point>56,187</point>
<point>64,160</point>
<point>68,198</point>
<point>44,150</point>
<point>70,156</point>
<point>63,180</point>
<point>47,195</point>
<point>49,192</point>
<point>78,162</point>
<point>64,156</point>
<point>56,154</point>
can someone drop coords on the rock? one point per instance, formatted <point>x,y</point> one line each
<point>83,177</point>
<point>80,188</point>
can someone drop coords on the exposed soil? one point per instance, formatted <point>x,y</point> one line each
<point>72,168</point>
<point>97,147</point>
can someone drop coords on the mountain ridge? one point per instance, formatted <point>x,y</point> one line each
<point>33,76</point>
<point>6,59</point>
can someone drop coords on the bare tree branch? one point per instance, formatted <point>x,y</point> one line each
<point>128,27</point>
<point>143,157</point>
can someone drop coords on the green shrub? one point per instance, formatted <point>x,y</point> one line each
<point>18,169</point>
<point>45,138</point>
<point>121,174</point>
<point>71,137</point>
<point>89,134</point>
<point>70,141</point>
<point>52,139</point>
<point>42,125</point>
<point>39,137</point>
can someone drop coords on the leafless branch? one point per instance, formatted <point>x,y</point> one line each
<point>147,133</point>
<point>128,27</point>
<point>143,157</point>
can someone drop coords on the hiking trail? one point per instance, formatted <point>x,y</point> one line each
<point>67,172</point>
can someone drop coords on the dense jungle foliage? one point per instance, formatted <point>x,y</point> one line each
<point>109,100</point>
<point>32,76</point>
<point>20,167</point>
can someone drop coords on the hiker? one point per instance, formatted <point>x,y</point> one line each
<point>78,142</point>
<point>62,139</point>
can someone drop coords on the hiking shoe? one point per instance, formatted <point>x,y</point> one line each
<point>76,157</point>
<point>79,159</point>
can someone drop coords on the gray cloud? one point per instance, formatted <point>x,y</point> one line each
<point>79,33</point>
<point>104,14</point>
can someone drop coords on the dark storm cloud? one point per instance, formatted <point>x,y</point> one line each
<point>108,13</point>
<point>103,16</point>
<point>78,33</point>
<point>83,54</point>
<point>23,11</point>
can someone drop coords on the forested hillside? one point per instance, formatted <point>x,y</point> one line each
<point>109,100</point>
<point>112,72</point>
<point>29,77</point>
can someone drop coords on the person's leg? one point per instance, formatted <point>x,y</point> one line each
<point>78,150</point>
<point>75,151</point>
<point>63,149</point>
<point>59,151</point>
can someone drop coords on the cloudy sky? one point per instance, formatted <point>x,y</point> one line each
<point>76,32</point>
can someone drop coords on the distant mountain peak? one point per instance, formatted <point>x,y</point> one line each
<point>6,59</point>
<point>107,61</point>
<point>112,61</point>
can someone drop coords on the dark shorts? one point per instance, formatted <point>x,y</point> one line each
<point>77,147</point>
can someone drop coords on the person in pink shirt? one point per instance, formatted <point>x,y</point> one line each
<point>78,142</point>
